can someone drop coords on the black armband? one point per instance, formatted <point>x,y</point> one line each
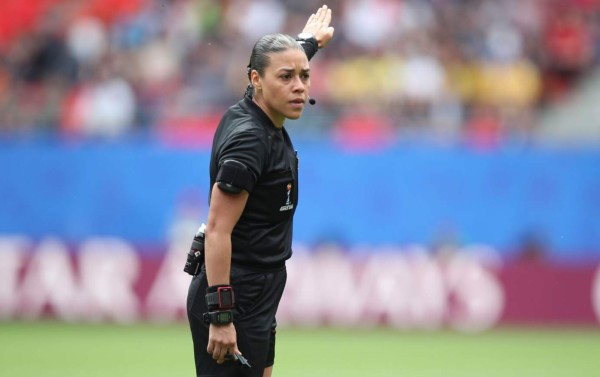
<point>233,177</point>
<point>309,44</point>
<point>219,317</point>
<point>220,297</point>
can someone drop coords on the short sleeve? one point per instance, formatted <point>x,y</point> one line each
<point>245,150</point>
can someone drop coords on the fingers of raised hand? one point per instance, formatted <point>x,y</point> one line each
<point>319,20</point>
<point>323,13</point>
<point>327,18</point>
<point>320,12</point>
<point>322,17</point>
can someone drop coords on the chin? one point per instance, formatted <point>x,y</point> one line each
<point>294,116</point>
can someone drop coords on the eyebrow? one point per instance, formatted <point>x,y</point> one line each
<point>288,70</point>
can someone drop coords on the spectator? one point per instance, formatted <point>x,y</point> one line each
<point>453,68</point>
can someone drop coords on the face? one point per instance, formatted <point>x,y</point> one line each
<point>283,90</point>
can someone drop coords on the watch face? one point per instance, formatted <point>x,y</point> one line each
<point>223,317</point>
<point>226,301</point>
<point>305,36</point>
<point>225,297</point>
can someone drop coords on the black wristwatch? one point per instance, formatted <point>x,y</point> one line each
<point>219,318</point>
<point>307,37</point>
<point>309,43</point>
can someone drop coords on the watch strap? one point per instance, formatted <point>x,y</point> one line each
<point>222,317</point>
<point>309,43</point>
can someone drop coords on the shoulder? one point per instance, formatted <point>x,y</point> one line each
<point>246,130</point>
<point>242,137</point>
<point>240,124</point>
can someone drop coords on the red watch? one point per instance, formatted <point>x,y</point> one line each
<point>222,299</point>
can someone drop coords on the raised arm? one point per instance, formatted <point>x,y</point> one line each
<point>318,25</point>
<point>317,32</point>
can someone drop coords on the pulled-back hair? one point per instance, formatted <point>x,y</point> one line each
<point>260,57</point>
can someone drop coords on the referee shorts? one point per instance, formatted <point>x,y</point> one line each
<point>257,296</point>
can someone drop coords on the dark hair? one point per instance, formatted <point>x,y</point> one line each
<point>260,57</point>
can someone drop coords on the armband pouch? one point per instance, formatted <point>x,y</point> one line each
<point>233,177</point>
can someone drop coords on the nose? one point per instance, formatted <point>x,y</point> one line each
<point>298,86</point>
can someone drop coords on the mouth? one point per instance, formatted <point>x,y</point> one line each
<point>297,103</point>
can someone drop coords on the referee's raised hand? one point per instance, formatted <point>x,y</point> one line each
<point>318,25</point>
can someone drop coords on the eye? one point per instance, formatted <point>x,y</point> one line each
<point>305,76</point>
<point>286,76</point>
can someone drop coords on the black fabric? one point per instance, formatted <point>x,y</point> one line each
<point>310,46</point>
<point>262,237</point>
<point>243,144</point>
<point>258,294</point>
<point>234,176</point>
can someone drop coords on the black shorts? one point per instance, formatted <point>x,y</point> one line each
<point>257,296</point>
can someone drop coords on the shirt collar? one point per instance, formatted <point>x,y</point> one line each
<point>255,110</point>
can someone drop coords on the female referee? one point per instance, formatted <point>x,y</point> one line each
<point>254,192</point>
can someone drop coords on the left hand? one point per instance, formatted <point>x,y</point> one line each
<point>318,25</point>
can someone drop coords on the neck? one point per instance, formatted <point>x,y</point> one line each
<point>277,120</point>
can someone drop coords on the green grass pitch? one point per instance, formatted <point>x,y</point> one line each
<point>51,349</point>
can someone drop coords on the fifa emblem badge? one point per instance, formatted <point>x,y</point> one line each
<point>289,191</point>
<point>288,202</point>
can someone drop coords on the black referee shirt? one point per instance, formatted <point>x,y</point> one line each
<point>262,237</point>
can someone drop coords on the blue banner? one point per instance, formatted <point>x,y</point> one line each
<point>404,194</point>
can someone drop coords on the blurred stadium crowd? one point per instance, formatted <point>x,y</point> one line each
<point>482,69</point>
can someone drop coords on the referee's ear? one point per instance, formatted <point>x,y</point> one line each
<point>255,79</point>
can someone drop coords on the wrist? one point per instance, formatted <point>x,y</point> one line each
<point>309,43</point>
<point>305,35</point>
